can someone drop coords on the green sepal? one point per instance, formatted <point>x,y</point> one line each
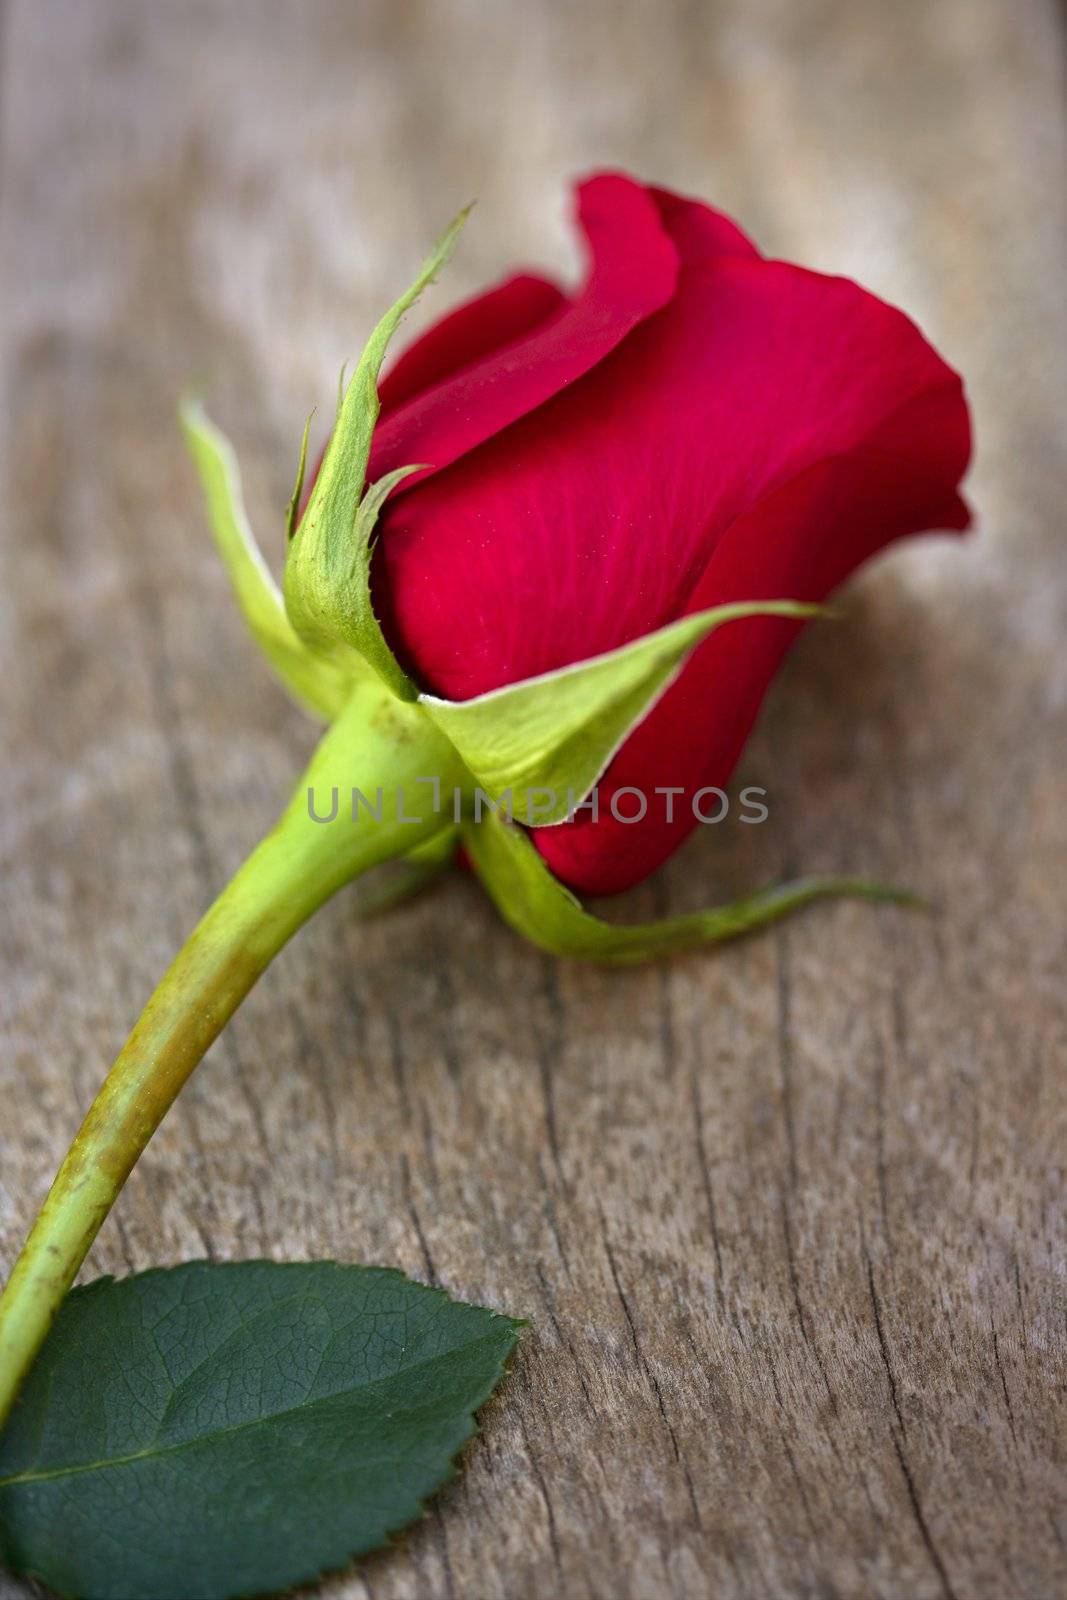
<point>327,572</point>
<point>293,508</point>
<point>318,684</point>
<point>543,910</point>
<point>363,623</point>
<point>558,732</point>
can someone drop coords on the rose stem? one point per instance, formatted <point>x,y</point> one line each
<point>297,867</point>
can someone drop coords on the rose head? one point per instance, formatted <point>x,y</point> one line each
<point>577,533</point>
<point>696,425</point>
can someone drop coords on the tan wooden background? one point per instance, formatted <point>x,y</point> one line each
<point>787,1221</point>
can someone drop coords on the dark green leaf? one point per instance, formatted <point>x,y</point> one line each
<point>218,1430</point>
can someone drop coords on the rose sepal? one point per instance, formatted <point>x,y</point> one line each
<point>557,733</point>
<point>327,569</point>
<point>540,908</point>
<point>317,682</point>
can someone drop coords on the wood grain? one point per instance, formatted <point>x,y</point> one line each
<point>787,1221</point>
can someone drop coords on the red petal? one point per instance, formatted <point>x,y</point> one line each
<point>700,234</point>
<point>467,334</point>
<point>800,542</point>
<point>634,270</point>
<point>514,308</point>
<point>761,436</point>
<point>592,520</point>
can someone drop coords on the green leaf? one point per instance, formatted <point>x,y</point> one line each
<point>557,732</point>
<point>219,1430</point>
<point>539,907</point>
<point>327,573</point>
<point>315,682</point>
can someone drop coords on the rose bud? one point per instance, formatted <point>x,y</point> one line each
<point>561,547</point>
<point>696,425</point>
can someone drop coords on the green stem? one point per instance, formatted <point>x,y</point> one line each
<point>297,867</point>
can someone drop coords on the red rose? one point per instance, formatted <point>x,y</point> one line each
<point>696,425</point>
<point>697,429</point>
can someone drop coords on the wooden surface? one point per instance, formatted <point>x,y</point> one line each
<point>787,1221</point>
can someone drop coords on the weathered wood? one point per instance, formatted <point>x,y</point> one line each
<point>787,1221</point>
